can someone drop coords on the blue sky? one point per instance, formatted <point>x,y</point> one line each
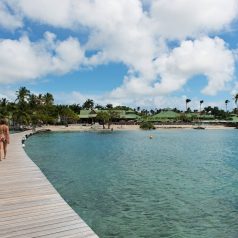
<point>143,53</point>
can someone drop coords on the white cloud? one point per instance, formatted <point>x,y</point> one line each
<point>119,36</point>
<point>130,32</point>
<point>121,31</point>
<point>68,56</point>
<point>46,11</point>
<point>9,94</point>
<point>71,98</point>
<point>234,90</point>
<point>183,18</point>
<point>205,56</point>
<point>173,19</point>
<point>145,102</point>
<point>25,60</point>
<point>9,20</point>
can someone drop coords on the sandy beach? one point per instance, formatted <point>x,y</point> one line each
<point>78,127</point>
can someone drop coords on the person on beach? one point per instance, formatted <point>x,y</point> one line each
<point>4,138</point>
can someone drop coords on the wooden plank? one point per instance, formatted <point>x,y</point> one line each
<point>33,209</point>
<point>47,229</point>
<point>29,223</point>
<point>52,211</point>
<point>70,234</point>
<point>37,226</point>
<point>29,205</point>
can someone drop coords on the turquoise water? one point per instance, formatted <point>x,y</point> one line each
<point>182,183</point>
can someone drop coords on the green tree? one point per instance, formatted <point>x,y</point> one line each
<point>201,102</point>
<point>184,118</point>
<point>21,114</point>
<point>226,102</point>
<point>147,125</point>
<point>122,108</point>
<point>109,106</point>
<point>104,117</point>
<point>114,115</point>
<point>33,101</point>
<point>236,100</point>
<point>88,104</point>
<point>20,117</point>
<point>34,109</point>
<point>100,107</point>
<point>40,100</point>
<point>48,99</point>
<point>187,101</point>
<point>66,114</point>
<point>152,112</point>
<point>4,112</point>
<point>216,112</point>
<point>22,95</point>
<point>76,108</point>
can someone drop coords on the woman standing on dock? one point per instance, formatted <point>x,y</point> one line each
<point>4,138</point>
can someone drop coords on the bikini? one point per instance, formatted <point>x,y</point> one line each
<point>2,135</point>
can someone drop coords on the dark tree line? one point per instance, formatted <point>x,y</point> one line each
<point>32,109</point>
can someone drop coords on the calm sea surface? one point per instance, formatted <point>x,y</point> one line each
<point>180,184</point>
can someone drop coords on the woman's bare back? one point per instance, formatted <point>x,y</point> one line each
<point>4,133</point>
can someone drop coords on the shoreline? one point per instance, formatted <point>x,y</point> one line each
<point>81,128</point>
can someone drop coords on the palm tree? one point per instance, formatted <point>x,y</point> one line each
<point>187,101</point>
<point>21,117</point>
<point>40,99</point>
<point>21,114</point>
<point>33,101</point>
<point>109,106</point>
<point>226,102</point>
<point>48,99</point>
<point>88,104</point>
<point>4,112</point>
<point>201,102</point>
<point>152,112</point>
<point>3,102</point>
<point>76,108</point>
<point>22,95</point>
<point>236,100</point>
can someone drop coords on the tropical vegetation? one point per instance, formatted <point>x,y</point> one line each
<point>147,125</point>
<point>31,109</point>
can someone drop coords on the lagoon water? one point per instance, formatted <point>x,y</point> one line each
<point>180,184</point>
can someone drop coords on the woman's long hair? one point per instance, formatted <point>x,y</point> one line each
<point>3,121</point>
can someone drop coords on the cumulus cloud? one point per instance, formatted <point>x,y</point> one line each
<point>183,18</point>
<point>9,20</point>
<point>119,30</point>
<point>46,11</point>
<point>25,60</point>
<point>7,93</point>
<point>134,33</point>
<point>175,18</point>
<point>146,102</point>
<point>205,56</point>
<point>234,90</point>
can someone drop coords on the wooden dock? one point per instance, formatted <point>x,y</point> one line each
<point>29,204</point>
